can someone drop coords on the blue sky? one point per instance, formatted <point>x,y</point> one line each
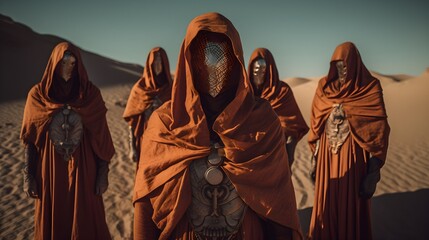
<point>392,36</point>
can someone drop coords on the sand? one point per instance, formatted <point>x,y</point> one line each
<point>399,209</point>
<point>400,206</point>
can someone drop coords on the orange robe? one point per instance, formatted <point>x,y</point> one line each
<point>67,207</point>
<point>177,134</point>
<point>280,96</point>
<point>143,94</point>
<point>338,211</point>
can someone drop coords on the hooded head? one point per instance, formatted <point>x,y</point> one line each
<point>263,73</point>
<point>347,72</point>
<point>210,71</point>
<point>212,64</point>
<point>157,69</point>
<point>65,78</point>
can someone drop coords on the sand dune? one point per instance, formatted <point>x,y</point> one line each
<point>390,78</point>
<point>293,82</point>
<point>400,206</point>
<point>24,55</point>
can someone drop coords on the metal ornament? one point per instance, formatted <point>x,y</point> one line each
<point>65,131</point>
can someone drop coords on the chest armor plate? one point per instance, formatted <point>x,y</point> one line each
<point>337,128</point>
<point>216,209</point>
<point>65,131</point>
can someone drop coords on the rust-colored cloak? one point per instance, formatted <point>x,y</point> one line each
<point>178,133</point>
<point>143,93</point>
<point>280,96</point>
<point>338,211</point>
<point>67,207</point>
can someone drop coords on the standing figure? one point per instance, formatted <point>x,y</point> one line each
<point>214,159</point>
<point>264,76</point>
<point>67,150</point>
<point>149,93</point>
<point>349,138</point>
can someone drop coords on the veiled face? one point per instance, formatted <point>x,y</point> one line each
<point>67,66</point>
<point>212,63</point>
<point>342,70</point>
<point>157,64</point>
<point>258,72</point>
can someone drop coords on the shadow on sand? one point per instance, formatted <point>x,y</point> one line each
<point>394,216</point>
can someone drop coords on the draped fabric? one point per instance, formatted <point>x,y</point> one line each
<point>67,207</point>
<point>280,96</point>
<point>338,211</point>
<point>362,100</point>
<point>145,92</point>
<point>178,133</point>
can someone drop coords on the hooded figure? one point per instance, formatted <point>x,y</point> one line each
<point>150,92</point>
<point>67,150</point>
<point>349,138</point>
<point>266,84</point>
<point>214,165</point>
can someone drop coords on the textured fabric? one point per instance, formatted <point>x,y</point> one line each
<point>177,133</point>
<point>150,90</point>
<point>280,96</point>
<point>67,207</point>
<point>338,211</point>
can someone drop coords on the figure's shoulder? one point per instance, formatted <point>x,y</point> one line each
<point>376,81</point>
<point>263,107</point>
<point>160,118</point>
<point>283,84</point>
<point>34,91</point>
<point>93,89</point>
<point>163,111</point>
<point>137,84</point>
<point>322,81</point>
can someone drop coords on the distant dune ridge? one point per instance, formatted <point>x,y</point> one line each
<point>400,208</point>
<point>24,55</point>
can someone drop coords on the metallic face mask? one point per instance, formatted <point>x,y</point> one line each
<point>157,64</point>
<point>259,70</point>
<point>342,71</point>
<point>67,65</point>
<point>212,64</point>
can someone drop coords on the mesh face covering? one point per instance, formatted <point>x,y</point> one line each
<point>212,63</point>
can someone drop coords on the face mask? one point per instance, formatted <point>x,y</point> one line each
<point>157,64</point>
<point>258,72</point>
<point>341,70</point>
<point>67,66</point>
<point>212,64</point>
